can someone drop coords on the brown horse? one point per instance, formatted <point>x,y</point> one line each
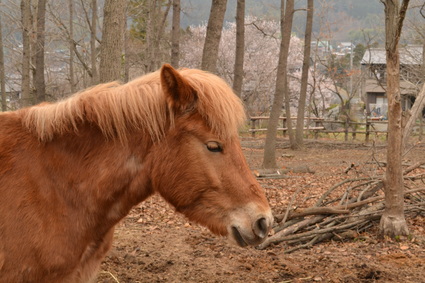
<point>71,170</point>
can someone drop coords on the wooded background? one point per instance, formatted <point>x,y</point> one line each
<point>51,49</point>
<point>69,34</point>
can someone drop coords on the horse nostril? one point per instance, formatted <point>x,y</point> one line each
<point>260,227</point>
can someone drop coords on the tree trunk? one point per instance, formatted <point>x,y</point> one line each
<point>2,75</point>
<point>150,31</point>
<point>126,53</point>
<point>155,27</point>
<point>159,35</point>
<point>26,98</point>
<point>39,81</point>
<point>240,47</point>
<point>418,106</point>
<point>175,35</point>
<point>299,134</point>
<point>93,53</point>
<point>112,40</point>
<point>393,221</point>
<point>415,113</point>
<point>289,131</point>
<point>286,17</point>
<point>212,39</point>
<point>71,46</point>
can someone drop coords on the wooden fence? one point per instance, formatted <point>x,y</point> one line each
<point>315,126</point>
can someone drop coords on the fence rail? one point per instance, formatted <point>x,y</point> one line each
<point>315,126</point>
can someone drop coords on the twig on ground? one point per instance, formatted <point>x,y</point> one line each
<point>360,205</point>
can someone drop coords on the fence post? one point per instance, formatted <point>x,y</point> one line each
<point>367,130</point>
<point>386,134</point>
<point>284,125</point>
<point>253,127</point>
<point>346,130</point>
<point>316,131</point>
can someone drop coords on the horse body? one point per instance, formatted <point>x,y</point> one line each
<point>64,206</point>
<point>69,175</point>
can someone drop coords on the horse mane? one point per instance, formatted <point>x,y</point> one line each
<point>141,103</point>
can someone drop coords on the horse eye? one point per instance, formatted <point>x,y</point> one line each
<point>214,147</point>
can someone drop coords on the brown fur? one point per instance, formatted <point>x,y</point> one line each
<point>71,170</point>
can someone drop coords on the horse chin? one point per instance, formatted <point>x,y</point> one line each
<point>243,239</point>
<point>237,237</point>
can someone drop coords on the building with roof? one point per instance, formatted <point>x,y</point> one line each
<point>373,65</point>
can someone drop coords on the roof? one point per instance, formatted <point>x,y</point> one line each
<point>346,44</point>
<point>409,55</point>
<point>406,88</point>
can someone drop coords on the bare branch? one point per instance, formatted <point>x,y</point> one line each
<point>65,30</point>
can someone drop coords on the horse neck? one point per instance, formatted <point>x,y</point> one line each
<point>105,178</point>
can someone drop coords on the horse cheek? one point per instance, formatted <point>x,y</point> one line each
<point>172,178</point>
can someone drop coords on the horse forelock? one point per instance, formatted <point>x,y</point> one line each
<point>220,107</point>
<point>139,104</point>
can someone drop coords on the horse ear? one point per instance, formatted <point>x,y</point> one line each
<point>180,95</point>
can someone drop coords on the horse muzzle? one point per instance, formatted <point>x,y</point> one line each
<point>250,231</point>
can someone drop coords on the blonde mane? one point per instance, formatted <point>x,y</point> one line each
<point>141,103</point>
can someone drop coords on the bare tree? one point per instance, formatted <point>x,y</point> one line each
<point>299,134</point>
<point>93,53</point>
<point>414,113</point>
<point>419,104</point>
<point>78,61</point>
<point>112,40</point>
<point>155,29</point>
<point>240,47</point>
<point>39,80</point>
<point>393,222</point>
<point>153,13</point>
<point>126,53</point>
<point>2,75</point>
<point>212,39</point>
<point>71,46</point>
<point>175,35</point>
<point>26,53</point>
<point>287,14</point>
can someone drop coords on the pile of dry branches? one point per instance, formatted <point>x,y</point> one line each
<point>343,211</point>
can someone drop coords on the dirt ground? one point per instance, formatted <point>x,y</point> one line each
<point>154,244</point>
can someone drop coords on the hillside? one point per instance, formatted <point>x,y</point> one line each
<point>344,15</point>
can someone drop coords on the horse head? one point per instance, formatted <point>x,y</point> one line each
<point>201,170</point>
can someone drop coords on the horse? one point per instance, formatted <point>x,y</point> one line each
<point>72,169</point>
